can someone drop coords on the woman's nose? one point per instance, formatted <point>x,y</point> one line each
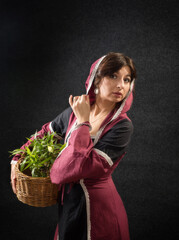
<point>120,83</point>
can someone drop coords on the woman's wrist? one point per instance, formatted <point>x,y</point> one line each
<point>80,121</point>
<point>86,123</point>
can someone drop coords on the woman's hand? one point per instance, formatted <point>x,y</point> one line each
<point>81,107</point>
<point>13,178</point>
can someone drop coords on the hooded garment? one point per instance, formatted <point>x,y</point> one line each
<point>90,207</point>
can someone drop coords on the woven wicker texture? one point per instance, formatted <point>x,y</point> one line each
<point>35,191</point>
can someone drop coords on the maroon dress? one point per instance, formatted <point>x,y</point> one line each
<point>92,209</point>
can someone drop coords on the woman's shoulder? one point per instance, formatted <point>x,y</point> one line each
<point>63,116</point>
<point>119,134</point>
<point>60,123</point>
<point>124,125</point>
<point>118,137</point>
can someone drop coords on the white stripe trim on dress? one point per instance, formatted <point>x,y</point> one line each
<point>50,127</point>
<point>103,154</point>
<point>70,131</point>
<point>87,209</point>
<point>93,74</point>
<point>81,124</point>
<point>52,131</point>
<point>13,162</point>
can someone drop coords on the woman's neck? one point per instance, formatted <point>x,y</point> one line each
<point>102,106</point>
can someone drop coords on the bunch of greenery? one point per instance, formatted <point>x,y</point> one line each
<point>40,154</point>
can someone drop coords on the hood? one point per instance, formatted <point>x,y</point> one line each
<point>127,101</point>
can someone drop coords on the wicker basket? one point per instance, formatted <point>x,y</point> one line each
<point>35,191</point>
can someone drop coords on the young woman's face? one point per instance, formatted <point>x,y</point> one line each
<point>114,88</point>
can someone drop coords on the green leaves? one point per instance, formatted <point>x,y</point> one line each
<point>40,154</point>
<point>17,151</point>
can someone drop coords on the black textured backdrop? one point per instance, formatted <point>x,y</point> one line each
<point>46,49</point>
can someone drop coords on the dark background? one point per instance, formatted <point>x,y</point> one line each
<point>46,50</point>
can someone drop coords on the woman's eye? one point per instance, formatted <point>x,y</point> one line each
<point>127,80</point>
<point>113,76</point>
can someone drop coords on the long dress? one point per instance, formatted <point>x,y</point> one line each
<point>90,207</point>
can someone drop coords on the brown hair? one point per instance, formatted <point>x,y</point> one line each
<point>112,63</point>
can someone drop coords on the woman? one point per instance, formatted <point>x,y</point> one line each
<point>97,131</point>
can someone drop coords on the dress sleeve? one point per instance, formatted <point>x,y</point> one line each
<point>81,159</point>
<point>60,123</point>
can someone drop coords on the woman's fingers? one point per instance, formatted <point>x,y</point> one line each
<point>81,107</point>
<point>77,99</point>
<point>83,98</point>
<point>71,100</point>
<point>88,100</point>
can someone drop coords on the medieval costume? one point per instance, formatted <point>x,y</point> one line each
<point>90,207</point>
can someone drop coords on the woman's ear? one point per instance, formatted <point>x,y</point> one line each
<point>96,90</point>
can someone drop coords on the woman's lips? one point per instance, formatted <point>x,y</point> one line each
<point>118,94</point>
